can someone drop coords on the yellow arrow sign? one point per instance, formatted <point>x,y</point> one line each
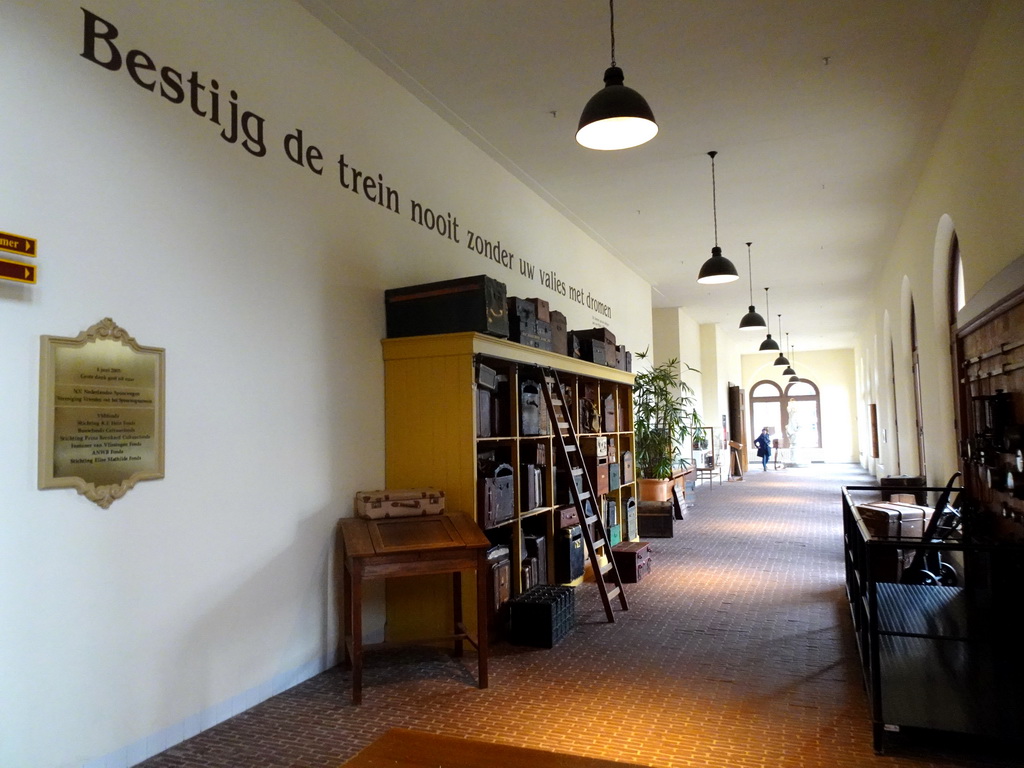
<point>15,270</point>
<point>23,246</point>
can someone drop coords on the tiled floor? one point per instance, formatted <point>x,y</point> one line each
<point>737,651</point>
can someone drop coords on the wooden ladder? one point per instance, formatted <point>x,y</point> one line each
<point>582,494</point>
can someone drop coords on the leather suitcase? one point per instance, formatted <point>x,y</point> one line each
<point>497,497</point>
<point>530,407</point>
<point>536,547</point>
<point>544,335</point>
<point>597,469</point>
<point>522,309</point>
<point>613,477</point>
<point>603,335</point>
<point>559,333</point>
<point>597,446</point>
<point>569,555</point>
<point>654,520</point>
<point>611,513</point>
<point>894,520</point>
<point>542,310</point>
<point>630,516</point>
<point>568,517</point>
<point>633,561</point>
<point>531,452</point>
<point>501,576</point>
<point>626,467</point>
<point>608,413</point>
<point>451,306</point>
<point>408,502</point>
<point>484,413</point>
<point>593,350</point>
<point>532,492</point>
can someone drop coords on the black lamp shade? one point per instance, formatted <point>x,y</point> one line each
<point>616,117</point>
<point>789,371</point>
<point>781,359</point>
<point>793,379</point>
<point>769,344</point>
<point>752,321</point>
<point>717,269</point>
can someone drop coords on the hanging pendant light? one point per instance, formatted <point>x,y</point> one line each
<point>616,117</point>
<point>717,269</point>
<point>789,366</point>
<point>794,378</point>
<point>751,321</point>
<point>769,344</point>
<point>781,359</point>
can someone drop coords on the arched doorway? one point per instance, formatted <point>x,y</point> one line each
<point>792,414</point>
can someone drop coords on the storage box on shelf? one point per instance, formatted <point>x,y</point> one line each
<point>462,413</point>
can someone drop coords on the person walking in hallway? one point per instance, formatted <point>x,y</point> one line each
<point>764,448</point>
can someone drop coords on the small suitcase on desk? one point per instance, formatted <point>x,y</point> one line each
<point>407,502</point>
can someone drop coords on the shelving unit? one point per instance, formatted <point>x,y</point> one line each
<point>433,438</point>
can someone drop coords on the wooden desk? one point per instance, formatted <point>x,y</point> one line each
<point>415,749</point>
<point>411,546</point>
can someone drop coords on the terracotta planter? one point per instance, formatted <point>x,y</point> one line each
<point>655,490</point>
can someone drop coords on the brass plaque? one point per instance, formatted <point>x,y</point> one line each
<point>101,413</point>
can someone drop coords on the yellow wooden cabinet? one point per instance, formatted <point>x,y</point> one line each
<point>432,438</point>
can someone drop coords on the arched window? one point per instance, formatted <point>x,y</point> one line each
<point>792,415</point>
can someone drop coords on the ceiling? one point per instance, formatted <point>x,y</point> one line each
<point>822,114</point>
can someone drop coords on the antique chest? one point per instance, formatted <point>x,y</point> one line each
<point>559,333</point>
<point>633,560</point>
<point>450,306</point>
<point>654,519</point>
<point>407,502</point>
<point>542,310</point>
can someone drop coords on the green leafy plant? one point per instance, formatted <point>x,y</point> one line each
<point>663,418</point>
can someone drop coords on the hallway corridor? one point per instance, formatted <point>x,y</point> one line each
<point>736,651</point>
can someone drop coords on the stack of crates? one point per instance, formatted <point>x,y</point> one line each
<point>542,616</point>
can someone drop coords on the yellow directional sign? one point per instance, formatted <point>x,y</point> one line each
<point>15,270</point>
<point>23,246</point>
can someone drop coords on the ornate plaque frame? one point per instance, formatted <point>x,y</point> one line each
<point>101,412</point>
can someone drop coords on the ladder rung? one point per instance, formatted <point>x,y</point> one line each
<point>562,425</point>
<point>613,592</point>
<point>576,470</point>
<point>590,520</point>
<point>570,448</point>
<point>599,543</point>
<point>583,495</point>
<point>605,568</point>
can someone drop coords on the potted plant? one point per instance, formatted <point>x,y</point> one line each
<point>663,420</point>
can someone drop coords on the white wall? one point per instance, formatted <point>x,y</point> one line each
<point>972,184</point>
<point>126,630</point>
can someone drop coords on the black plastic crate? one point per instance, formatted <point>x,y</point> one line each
<point>542,616</point>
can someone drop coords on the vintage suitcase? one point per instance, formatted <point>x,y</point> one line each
<point>597,469</point>
<point>630,519</point>
<point>533,452</point>
<point>613,455</point>
<point>569,554</point>
<point>544,339</point>
<point>532,491</point>
<point>567,517</point>
<point>593,350</point>
<point>484,413</point>
<point>450,306</point>
<point>608,413</point>
<point>611,512</point>
<point>596,446</point>
<point>588,421</point>
<point>894,520</point>
<point>501,576</point>
<point>497,496</point>
<point>536,547</point>
<point>541,309</point>
<point>528,573</point>
<point>614,535</point>
<point>626,467</point>
<point>613,476</point>
<point>530,406</point>
<point>603,335</point>
<point>523,309</point>
<point>559,333</point>
<point>542,616</point>
<point>654,520</point>
<point>408,502</point>
<point>633,560</point>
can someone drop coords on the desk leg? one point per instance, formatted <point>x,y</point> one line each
<point>356,612</point>
<point>457,610</point>
<point>482,572</point>
<point>346,622</point>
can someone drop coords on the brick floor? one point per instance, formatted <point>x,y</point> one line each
<point>737,651</point>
